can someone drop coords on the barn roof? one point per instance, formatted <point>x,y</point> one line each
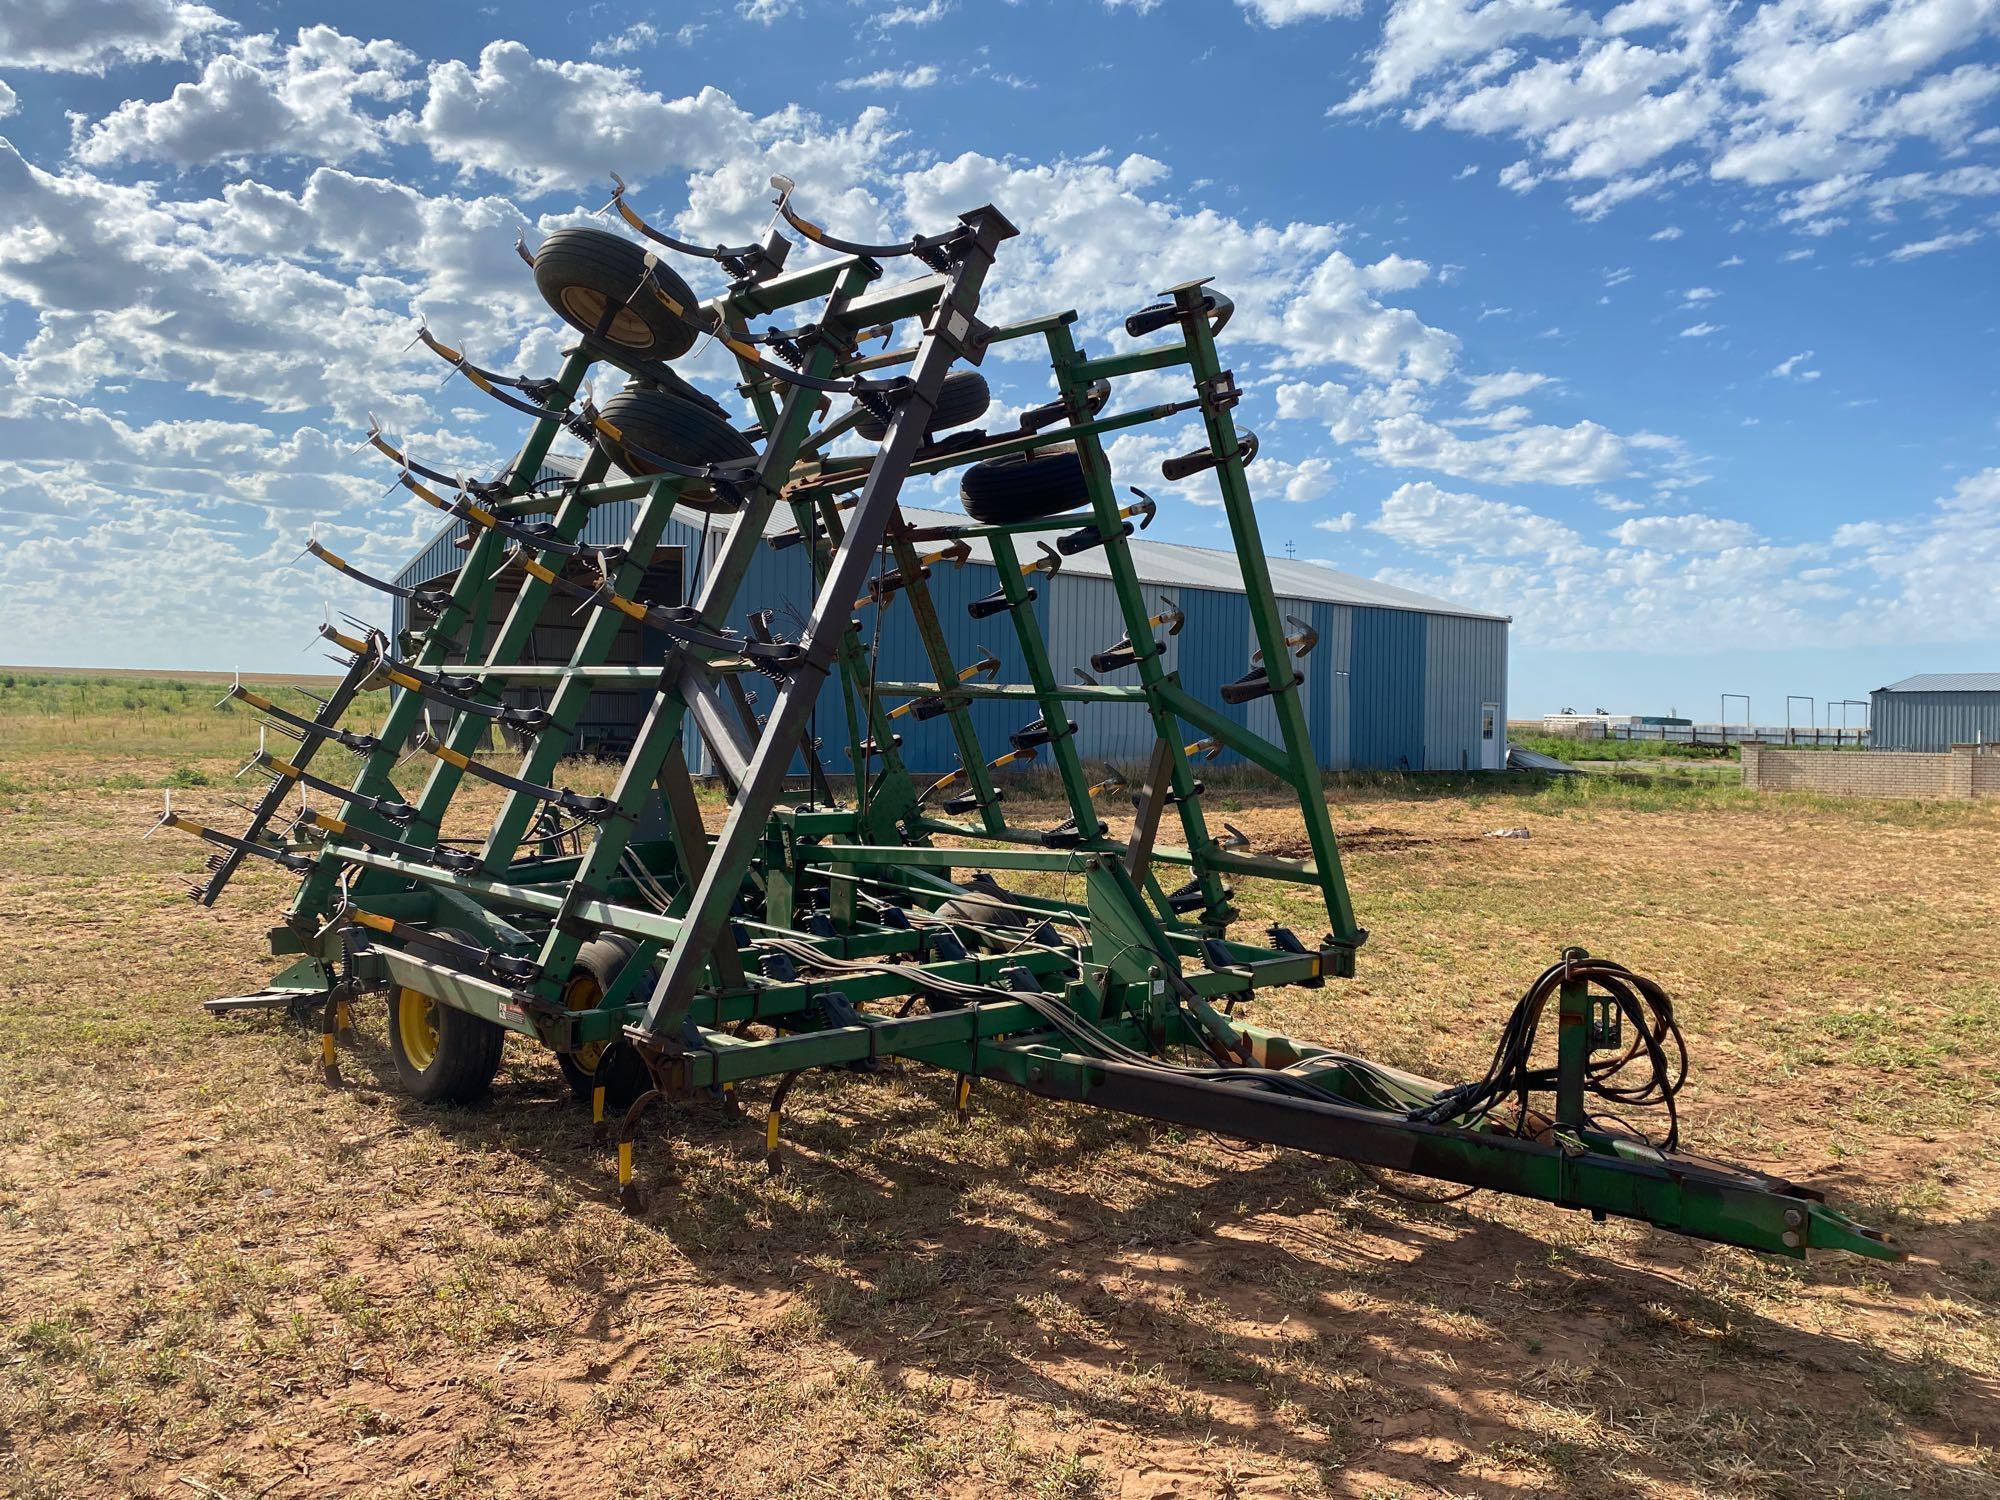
<point>1946,682</point>
<point>1159,565</point>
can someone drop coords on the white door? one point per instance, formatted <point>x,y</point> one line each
<point>1492,743</point>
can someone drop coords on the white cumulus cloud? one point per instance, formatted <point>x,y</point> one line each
<point>1690,533</point>
<point>87,36</point>
<point>261,99</point>
<point>1794,101</point>
<point>1429,519</point>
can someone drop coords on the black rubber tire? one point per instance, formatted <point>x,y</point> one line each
<point>463,1062</point>
<point>1160,314</point>
<point>651,419</point>
<point>962,398</point>
<point>982,914</point>
<point>618,1068</point>
<point>667,381</point>
<point>581,272</point>
<point>1024,486</point>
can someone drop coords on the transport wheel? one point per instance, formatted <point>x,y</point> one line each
<point>648,418</point>
<point>1218,307</point>
<point>963,398</point>
<point>1024,486</point>
<point>586,273</point>
<point>598,965</point>
<point>442,1054</point>
<point>985,910</point>
<point>667,381</point>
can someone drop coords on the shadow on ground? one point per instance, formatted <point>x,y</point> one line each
<point>1171,1299</point>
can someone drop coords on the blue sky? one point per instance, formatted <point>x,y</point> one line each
<point>1667,328</point>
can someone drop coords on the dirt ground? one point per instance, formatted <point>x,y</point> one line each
<point>220,1278</point>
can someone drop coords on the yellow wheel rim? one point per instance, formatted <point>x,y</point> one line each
<point>416,1025</point>
<point>583,994</point>
<point>587,305</point>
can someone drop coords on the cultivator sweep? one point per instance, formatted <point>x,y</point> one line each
<point>906,917</point>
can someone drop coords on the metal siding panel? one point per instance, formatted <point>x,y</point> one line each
<point>1452,683</point>
<point>609,525</point>
<point>1338,647</point>
<point>931,747</point>
<point>1383,685</point>
<point>1932,721</point>
<point>1263,714</point>
<point>1211,650</point>
<point>782,581</point>
<point>1386,689</point>
<point>1084,618</point>
<point>1320,670</point>
<point>438,557</point>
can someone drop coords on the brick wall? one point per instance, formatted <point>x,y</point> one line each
<point>1961,772</point>
<point>1986,773</point>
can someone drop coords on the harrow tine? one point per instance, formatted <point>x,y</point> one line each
<point>374,432</point>
<point>229,843</point>
<point>1113,780</point>
<point>166,815</point>
<point>285,729</point>
<point>263,742</point>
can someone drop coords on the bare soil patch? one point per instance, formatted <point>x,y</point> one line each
<point>221,1278</point>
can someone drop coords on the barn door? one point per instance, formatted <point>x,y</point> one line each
<point>1492,744</point>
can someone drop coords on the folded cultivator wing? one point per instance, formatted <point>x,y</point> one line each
<point>659,962</point>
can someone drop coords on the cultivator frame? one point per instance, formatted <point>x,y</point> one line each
<point>838,935</point>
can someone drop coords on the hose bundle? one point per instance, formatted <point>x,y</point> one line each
<point>1657,1051</point>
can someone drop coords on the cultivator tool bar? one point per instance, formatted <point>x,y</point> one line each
<point>908,918</point>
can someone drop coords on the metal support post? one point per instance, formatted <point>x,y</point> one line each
<point>944,341</point>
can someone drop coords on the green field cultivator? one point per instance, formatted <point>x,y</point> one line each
<point>891,916</point>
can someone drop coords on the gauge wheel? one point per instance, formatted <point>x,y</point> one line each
<point>651,422</point>
<point>443,1055</point>
<point>589,275</point>
<point>618,1068</point>
<point>1024,486</point>
<point>963,398</point>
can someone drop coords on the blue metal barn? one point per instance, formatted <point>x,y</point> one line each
<point>1936,710</point>
<point>1398,680</point>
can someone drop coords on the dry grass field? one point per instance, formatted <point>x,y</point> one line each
<point>220,1278</point>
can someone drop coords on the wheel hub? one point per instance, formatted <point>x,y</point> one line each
<point>586,305</point>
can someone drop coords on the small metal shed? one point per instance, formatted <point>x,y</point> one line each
<point>1936,710</point>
